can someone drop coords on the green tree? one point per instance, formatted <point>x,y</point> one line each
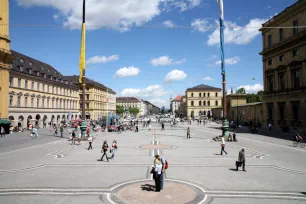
<point>133,111</point>
<point>260,95</point>
<point>241,91</point>
<point>119,110</point>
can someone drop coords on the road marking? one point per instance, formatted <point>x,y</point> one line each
<point>17,150</point>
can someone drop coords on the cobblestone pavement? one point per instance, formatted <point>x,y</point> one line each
<point>34,170</point>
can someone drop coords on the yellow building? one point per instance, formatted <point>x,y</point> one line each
<point>183,107</point>
<point>5,58</point>
<point>201,99</point>
<point>100,100</point>
<point>39,94</point>
<point>284,67</point>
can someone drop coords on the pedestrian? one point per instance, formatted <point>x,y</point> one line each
<point>150,127</point>
<point>270,126</point>
<point>163,126</point>
<point>234,136</point>
<point>162,181</point>
<point>188,133</point>
<point>90,142</point>
<point>114,149</point>
<point>137,127</point>
<point>223,146</point>
<point>157,173</point>
<point>241,160</point>
<point>55,131</point>
<point>35,131</point>
<point>62,130</point>
<point>73,138</point>
<point>2,131</point>
<point>104,150</point>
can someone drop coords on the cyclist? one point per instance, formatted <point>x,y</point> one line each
<point>298,138</point>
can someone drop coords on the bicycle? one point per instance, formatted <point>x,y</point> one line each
<point>296,143</point>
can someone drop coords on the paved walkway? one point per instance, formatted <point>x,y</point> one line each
<point>35,170</point>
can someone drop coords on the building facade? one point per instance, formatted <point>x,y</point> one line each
<point>183,107</point>
<point>39,94</point>
<point>175,105</point>
<point>151,108</point>
<point>5,58</point>
<point>132,102</point>
<point>201,99</point>
<point>100,101</point>
<point>284,67</point>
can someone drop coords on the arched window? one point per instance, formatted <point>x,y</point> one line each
<point>208,103</point>
<point>21,61</point>
<point>192,103</point>
<point>204,103</point>
<point>191,94</point>
<point>216,94</point>
<point>200,103</point>
<point>204,94</point>
<point>200,95</point>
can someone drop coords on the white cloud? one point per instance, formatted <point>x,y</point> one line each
<point>200,25</point>
<point>150,91</point>
<point>211,58</point>
<point>233,60</point>
<point>127,72</point>
<point>175,75</point>
<point>118,14</point>
<point>236,34</point>
<point>165,60</point>
<point>160,102</point>
<point>252,88</point>
<point>169,24</point>
<point>185,5</point>
<point>208,78</point>
<point>102,59</point>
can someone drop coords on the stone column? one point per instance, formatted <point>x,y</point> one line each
<point>5,58</point>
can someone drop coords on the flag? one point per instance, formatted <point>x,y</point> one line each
<point>220,2</point>
<point>82,56</point>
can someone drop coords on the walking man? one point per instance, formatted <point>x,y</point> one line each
<point>162,181</point>
<point>241,160</point>
<point>270,126</point>
<point>90,142</point>
<point>73,138</point>
<point>223,146</point>
<point>62,130</point>
<point>2,131</point>
<point>188,133</point>
<point>104,150</point>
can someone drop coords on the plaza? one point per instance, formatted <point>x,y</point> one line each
<point>51,170</point>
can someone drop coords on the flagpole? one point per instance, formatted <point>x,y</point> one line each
<point>83,77</point>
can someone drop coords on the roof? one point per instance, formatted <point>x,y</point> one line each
<point>75,79</point>
<point>148,102</point>
<point>128,100</point>
<point>178,98</point>
<point>250,104</point>
<point>37,69</point>
<point>204,87</point>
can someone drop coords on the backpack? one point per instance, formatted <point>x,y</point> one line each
<point>166,163</point>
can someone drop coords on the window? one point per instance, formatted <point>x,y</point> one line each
<point>295,52</point>
<point>281,58</point>
<point>52,89</point>
<point>200,95</point>
<point>56,90</point>
<point>21,68</point>
<point>208,103</point>
<point>11,100</point>
<point>60,91</point>
<point>282,82</point>
<point>38,103</point>
<point>87,97</point>
<point>43,87</point>
<point>216,103</point>
<point>52,103</point>
<point>37,73</point>
<point>204,103</point>
<point>32,87</point>
<point>204,94</point>
<point>60,104</point>
<point>48,88</point>
<point>18,101</point>
<point>191,94</point>
<point>216,94</point>
<point>43,103</point>
<point>208,94</point>
<point>51,77</point>
<point>87,105</point>
<point>42,68</point>
<point>30,64</point>
<point>38,86</point>
<point>295,28</point>
<point>11,81</point>
<point>26,101</point>
<point>19,83</point>
<point>21,61</point>
<point>270,83</point>
<point>48,101</point>
<point>11,66</point>
<point>270,62</point>
<point>45,76</point>
<point>295,111</point>
<point>26,84</point>
<point>295,78</point>
<point>281,34</point>
<point>200,103</point>
<point>269,40</point>
<point>32,102</point>
<point>192,103</point>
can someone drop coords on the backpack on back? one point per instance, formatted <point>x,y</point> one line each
<point>166,163</point>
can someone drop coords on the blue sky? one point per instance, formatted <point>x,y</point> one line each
<point>154,62</point>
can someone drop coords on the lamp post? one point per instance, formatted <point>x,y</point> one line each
<point>237,121</point>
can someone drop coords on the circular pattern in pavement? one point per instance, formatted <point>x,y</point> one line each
<point>151,146</point>
<point>174,192</point>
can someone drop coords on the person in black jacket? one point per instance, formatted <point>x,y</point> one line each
<point>104,150</point>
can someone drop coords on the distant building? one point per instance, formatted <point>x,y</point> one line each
<point>151,108</point>
<point>284,67</point>
<point>132,102</point>
<point>183,107</point>
<point>201,99</point>
<point>175,105</point>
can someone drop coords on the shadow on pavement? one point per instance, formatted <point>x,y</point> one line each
<point>232,169</point>
<point>303,193</point>
<point>147,187</point>
<point>217,154</point>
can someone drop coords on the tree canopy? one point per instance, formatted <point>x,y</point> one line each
<point>119,110</point>
<point>241,91</point>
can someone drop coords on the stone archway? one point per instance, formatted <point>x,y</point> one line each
<point>21,121</point>
<point>63,117</point>
<point>58,118</point>
<point>11,118</point>
<point>38,120</point>
<point>45,121</point>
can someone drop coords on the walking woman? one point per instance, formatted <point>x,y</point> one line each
<point>104,150</point>
<point>158,166</point>
<point>223,146</point>
<point>188,133</point>
<point>114,149</point>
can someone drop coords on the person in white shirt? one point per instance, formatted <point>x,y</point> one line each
<point>158,166</point>
<point>90,142</point>
<point>223,146</point>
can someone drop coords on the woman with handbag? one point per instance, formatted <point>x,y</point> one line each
<point>157,171</point>
<point>223,146</point>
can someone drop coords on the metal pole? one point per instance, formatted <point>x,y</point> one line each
<point>237,112</point>
<point>224,96</point>
<point>106,105</point>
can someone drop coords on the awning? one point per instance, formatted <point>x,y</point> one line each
<point>5,122</point>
